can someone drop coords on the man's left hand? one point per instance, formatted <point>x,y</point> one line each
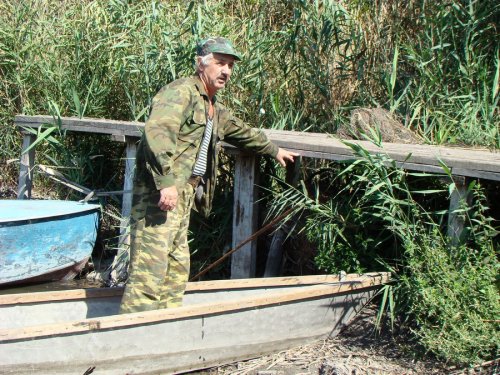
<point>284,155</point>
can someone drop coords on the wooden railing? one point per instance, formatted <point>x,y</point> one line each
<point>464,164</point>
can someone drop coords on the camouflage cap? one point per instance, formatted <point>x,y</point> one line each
<point>216,45</point>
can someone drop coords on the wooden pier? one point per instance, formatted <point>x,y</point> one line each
<point>463,163</point>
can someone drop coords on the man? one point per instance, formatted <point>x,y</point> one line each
<point>176,164</point>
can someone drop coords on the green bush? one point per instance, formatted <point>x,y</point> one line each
<point>447,294</point>
<point>452,298</point>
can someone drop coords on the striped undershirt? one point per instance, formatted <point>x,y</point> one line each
<point>201,163</point>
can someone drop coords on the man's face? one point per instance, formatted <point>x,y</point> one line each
<point>217,72</point>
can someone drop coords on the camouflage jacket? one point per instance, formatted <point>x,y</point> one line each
<point>174,131</point>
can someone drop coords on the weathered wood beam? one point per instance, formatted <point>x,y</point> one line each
<point>128,185</point>
<point>210,285</point>
<point>60,178</point>
<point>27,163</point>
<point>243,262</point>
<point>479,163</point>
<point>119,267</point>
<point>84,125</point>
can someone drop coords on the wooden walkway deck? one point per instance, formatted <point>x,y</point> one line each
<point>468,163</point>
<point>480,163</point>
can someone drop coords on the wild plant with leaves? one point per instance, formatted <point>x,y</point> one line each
<point>446,293</point>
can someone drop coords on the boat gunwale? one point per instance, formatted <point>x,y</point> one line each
<point>186,312</point>
<point>87,208</point>
<point>199,286</point>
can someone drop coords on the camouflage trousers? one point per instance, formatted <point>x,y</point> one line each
<point>159,252</point>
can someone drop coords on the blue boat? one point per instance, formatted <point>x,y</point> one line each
<point>45,240</point>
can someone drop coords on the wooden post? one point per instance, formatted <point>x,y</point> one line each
<point>128,185</point>
<point>459,199</point>
<point>121,261</point>
<point>26,167</point>
<point>243,262</point>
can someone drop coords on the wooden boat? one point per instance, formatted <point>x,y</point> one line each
<point>73,332</point>
<point>42,240</point>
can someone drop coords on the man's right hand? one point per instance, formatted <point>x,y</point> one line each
<point>168,198</point>
<point>284,155</point>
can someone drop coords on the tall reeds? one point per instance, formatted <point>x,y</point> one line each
<point>307,64</point>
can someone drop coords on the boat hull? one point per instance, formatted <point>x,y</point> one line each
<point>45,240</point>
<point>214,327</point>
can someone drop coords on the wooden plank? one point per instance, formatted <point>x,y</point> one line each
<point>59,177</point>
<point>58,295</point>
<point>128,185</point>
<point>270,282</point>
<point>300,140</point>
<point>26,168</point>
<point>420,154</point>
<point>142,318</point>
<point>85,125</point>
<point>468,162</point>
<point>243,262</point>
<point>119,267</point>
